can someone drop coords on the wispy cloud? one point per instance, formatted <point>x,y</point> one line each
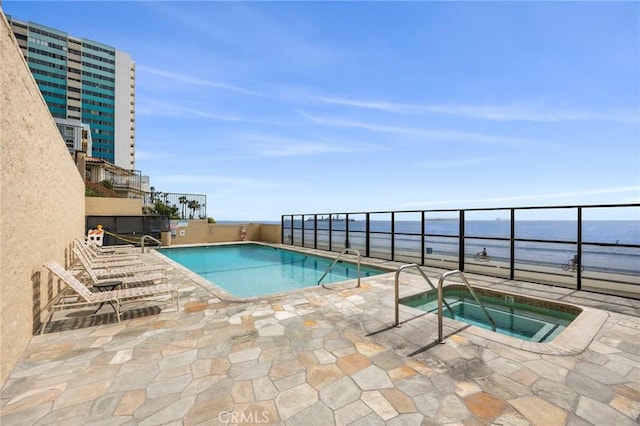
<point>513,112</point>
<point>560,195</point>
<point>461,162</point>
<point>250,32</point>
<point>153,154</point>
<point>277,146</point>
<point>187,79</point>
<point>163,109</point>
<point>222,181</point>
<point>435,135</point>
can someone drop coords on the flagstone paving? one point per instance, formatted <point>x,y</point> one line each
<point>317,357</point>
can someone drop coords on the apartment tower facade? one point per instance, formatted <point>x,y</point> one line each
<point>85,84</point>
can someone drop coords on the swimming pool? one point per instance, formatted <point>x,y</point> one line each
<point>516,316</point>
<point>250,270</point>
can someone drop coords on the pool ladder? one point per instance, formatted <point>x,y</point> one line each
<point>336,261</point>
<point>473,293</point>
<point>397,284</point>
<point>441,300</point>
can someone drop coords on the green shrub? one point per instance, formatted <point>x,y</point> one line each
<point>107,184</point>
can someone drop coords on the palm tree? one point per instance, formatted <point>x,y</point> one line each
<point>193,206</point>
<point>183,201</point>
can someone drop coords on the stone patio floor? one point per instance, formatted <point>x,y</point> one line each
<point>319,356</point>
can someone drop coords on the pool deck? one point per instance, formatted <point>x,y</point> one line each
<point>324,356</point>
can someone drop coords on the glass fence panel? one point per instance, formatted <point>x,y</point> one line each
<point>550,263</point>
<point>380,246</point>
<point>323,239</point>
<point>338,240</point>
<point>297,237</point>
<point>611,231</point>
<point>407,248</point>
<point>309,237</point>
<point>547,224</point>
<point>488,256</point>
<point>488,224</point>
<point>358,240</point>
<point>442,223</point>
<point>611,269</point>
<point>594,248</point>
<point>380,222</point>
<point>441,252</point>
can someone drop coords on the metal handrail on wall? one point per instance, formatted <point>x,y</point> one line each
<point>149,237</point>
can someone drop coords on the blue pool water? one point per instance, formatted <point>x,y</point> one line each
<point>513,318</point>
<point>250,270</point>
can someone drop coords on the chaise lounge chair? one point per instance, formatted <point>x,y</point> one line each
<point>126,274</point>
<point>124,249</point>
<point>108,261</point>
<point>83,296</point>
<point>99,252</point>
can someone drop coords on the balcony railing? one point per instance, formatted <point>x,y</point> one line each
<point>125,183</point>
<point>175,205</point>
<point>590,247</point>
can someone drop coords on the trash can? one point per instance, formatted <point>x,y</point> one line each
<point>429,250</point>
<point>165,238</point>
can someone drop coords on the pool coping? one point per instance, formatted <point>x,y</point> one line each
<point>574,339</point>
<point>222,294</point>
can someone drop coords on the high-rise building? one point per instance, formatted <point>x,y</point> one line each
<point>87,82</point>
<point>76,135</point>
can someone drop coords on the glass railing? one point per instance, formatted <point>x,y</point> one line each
<point>590,247</point>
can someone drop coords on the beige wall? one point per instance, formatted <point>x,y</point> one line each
<point>103,206</point>
<point>201,232</point>
<point>41,200</point>
<point>271,233</point>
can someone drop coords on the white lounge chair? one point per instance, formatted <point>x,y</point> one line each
<point>120,248</point>
<point>117,251</point>
<point>98,252</point>
<point>83,296</point>
<point>126,274</point>
<point>108,261</point>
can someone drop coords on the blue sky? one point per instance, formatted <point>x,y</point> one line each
<point>275,108</point>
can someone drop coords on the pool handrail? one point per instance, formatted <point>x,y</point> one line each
<point>336,261</point>
<point>397,285</point>
<point>443,277</point>
<point>144,237</point>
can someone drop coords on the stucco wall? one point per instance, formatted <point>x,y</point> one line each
<point>271,233</point>
<point>103,206</point>
<point>200,232</point>
<point>41,202</point>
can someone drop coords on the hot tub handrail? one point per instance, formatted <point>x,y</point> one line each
<point>336,261</point>
<point>441,298</point>
<point>397,285</point>
<point>144,237</point>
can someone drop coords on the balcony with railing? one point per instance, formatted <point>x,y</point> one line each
<point>175,205</point>
<point>118,182</point>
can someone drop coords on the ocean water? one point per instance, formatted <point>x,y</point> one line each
<point>557,246</point>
